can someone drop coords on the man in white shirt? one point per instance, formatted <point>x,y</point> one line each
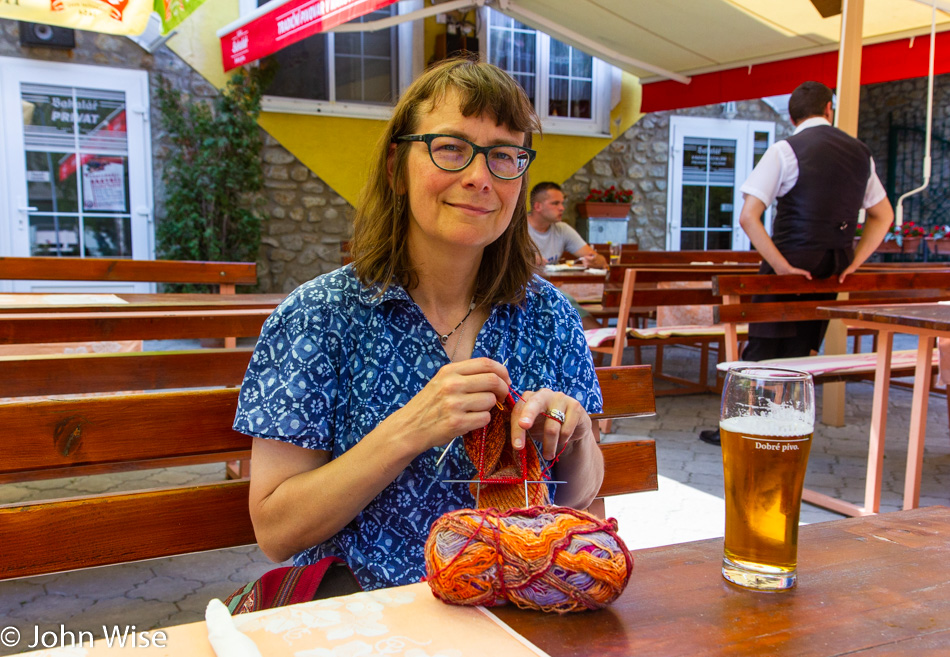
<point>822,178</point>
<point>551,235</point>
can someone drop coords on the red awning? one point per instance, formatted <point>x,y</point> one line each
<point>880,62</point>
<point>279,24</point>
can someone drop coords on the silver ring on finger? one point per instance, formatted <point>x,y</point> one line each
<point>556,414</point>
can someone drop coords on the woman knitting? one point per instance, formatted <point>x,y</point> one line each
<point>363,376</point>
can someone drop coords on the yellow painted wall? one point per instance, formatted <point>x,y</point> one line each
<point>336,149</point>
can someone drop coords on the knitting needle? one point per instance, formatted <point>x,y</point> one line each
<point>447,448</point>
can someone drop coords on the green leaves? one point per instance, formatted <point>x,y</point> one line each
<point>214,172</point>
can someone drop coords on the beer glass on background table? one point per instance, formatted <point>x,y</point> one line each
<point>766,423</point>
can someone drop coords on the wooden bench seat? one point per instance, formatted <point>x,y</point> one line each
<point>58,438</point>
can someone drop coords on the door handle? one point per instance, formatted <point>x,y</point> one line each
<point>28,208</point>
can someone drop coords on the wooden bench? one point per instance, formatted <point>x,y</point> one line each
<point>58,438</point>
<point>225,275</point>
<point>862,288</point>
<point>858,289</point>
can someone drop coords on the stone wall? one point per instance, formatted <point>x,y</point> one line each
<point>903,99</point>
<point>639,160</point>
<point>304,222</point>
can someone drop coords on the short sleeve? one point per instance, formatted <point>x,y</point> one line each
<point>576,374</point>
<point>573,242</point>
<point>875,192</point>
<point>292,383</point>
<point>765,181</point>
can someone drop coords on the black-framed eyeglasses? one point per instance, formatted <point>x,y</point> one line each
<point>451,153</point>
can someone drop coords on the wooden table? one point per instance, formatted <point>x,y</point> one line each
<point>927,321</point>
<point>875,585</point>
<point>584,285</point>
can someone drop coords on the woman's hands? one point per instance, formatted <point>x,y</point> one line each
<point>533,413</point>
<point>458,399</point>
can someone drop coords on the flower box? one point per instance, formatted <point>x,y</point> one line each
<point>938,246</point>
<point>599,210</point>
<point>910,246</point>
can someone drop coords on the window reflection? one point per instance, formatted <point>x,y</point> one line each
<point>76,156</point>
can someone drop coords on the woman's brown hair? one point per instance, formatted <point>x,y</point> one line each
<point>379,244</point>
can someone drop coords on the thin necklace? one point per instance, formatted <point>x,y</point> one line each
<point>445,338</point>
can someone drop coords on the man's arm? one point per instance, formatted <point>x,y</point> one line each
<point>590,257</point>
<point>876,224</point>
<point>751,221</point>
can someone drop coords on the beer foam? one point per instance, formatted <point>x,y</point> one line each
<point>792,423</point>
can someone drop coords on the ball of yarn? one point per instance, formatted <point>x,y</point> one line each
<point>548,558</point>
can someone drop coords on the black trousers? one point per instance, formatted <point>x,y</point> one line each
<point>795,339</point>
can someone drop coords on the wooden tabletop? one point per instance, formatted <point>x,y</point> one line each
<point>575,275</point>
<point>927,316</point>
<point>875,585</point>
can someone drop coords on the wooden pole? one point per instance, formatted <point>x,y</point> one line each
<point>846,118</point>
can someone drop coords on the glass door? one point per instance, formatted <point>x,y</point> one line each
<point>710,158</point>
<point>78,165</point>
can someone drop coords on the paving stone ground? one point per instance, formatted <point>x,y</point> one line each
<point>687,506</point>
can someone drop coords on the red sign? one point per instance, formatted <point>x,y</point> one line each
<point>289,23</point>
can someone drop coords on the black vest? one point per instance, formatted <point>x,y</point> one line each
<point>821,210</point>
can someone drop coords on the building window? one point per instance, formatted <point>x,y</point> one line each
<point>346,73</point>
<point>569,88</point>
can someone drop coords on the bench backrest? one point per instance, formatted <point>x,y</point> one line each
<point>94,435</point>
<point>31,328</point>
<point>223,274</point>
<point>644,286</point>
<point>687,257</point>
<point>862,288</point>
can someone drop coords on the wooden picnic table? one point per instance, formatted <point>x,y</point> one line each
<point>927,321</point>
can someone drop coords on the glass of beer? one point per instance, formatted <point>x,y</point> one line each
<point>766,424</point>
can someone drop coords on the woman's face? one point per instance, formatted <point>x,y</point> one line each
<point>467,209</point>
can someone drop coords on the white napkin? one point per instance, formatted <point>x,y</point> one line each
<point>597,272</point>
<point>225,638</point>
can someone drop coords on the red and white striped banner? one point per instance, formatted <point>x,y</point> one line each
<point>262,34</point>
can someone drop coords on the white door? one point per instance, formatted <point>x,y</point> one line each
<point>709,160</point>
<point>76,171</point>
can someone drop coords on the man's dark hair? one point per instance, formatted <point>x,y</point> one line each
<point>809,99</point>
<point>541,188</point>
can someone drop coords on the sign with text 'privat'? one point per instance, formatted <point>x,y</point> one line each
<point>262,34</point>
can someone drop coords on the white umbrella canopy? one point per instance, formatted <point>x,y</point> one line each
<point>675,39</point>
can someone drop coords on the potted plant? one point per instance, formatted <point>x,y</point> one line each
<point>213,173</point>
<point>610,202</point>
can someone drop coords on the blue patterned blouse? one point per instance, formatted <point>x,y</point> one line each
<point>333,361</point>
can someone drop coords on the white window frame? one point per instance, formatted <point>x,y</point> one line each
<point>409,46</point>
<point>605,93</point>
<point>705,128</point>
